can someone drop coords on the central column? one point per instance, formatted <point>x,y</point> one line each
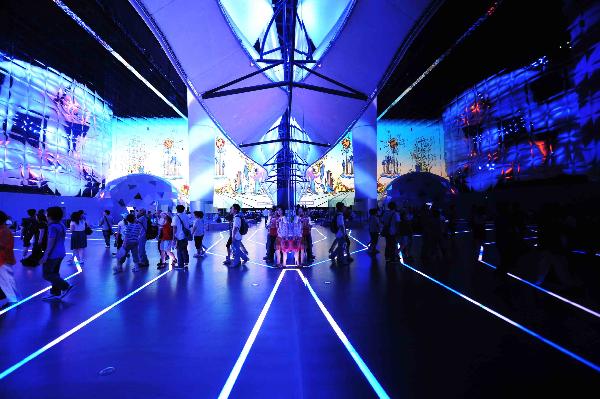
<point>286,179</point>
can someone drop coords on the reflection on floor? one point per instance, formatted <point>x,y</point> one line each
<point>450,328</point>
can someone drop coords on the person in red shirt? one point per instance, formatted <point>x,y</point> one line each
<point>166,238</point>
<point>7,260</point>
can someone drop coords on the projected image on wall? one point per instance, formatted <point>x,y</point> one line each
<point>55,134</point>
<point>331,178</point>
<point>156,146</point>
<point>237,178</point>
<point>520,125</point>
<point>406,146</point>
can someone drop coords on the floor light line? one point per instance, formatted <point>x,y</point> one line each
<point>78,327</point>
<point>349,347</point>
<point>40,292</point>
<point>537,287</point>
<point>526,330</point>
<point>237,367</point>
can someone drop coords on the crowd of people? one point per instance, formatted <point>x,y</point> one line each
<point>43,232</point>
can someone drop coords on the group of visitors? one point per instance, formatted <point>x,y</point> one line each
<point>48,233</point>
<point>287,234</point>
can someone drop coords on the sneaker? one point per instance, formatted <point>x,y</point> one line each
<point>108,246</point>
<point>227,262</point>
<point>51,298</point>
<point>161,266</point>
<point>197,255</point>
<point>160,263</point>
<point>66,291</point>
<point>244,261</point>
<point>177,267</point>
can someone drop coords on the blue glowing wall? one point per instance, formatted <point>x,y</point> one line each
<point>55,132</point>
<point>537,122</point>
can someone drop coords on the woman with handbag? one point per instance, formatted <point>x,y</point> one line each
<point>78,236</point>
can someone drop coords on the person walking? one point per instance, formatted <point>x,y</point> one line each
<point>165,237</point>
<point>7,260</point>
<point>265,214</point>
<point>106,225</point>
<point>236,234</point>
<point>54,255</point>
<point>374,230</point>
<point>131,238</point>
<point>78,237</point>
<point>390,230</point>
<point>144,221</point>
<point>181,233</point>
<point>338,249</point>
<point>306,236</point>
<point>198,232</point>
<point>28,231</point>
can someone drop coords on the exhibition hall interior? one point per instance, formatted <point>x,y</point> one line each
<point>299,198</point>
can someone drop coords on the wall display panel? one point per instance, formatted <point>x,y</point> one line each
<point>517,126</point>
<point>331,178</point>
<point>237,178</point>
<point>156,146</point>
<point>406,146</point>
<point>55,132</point>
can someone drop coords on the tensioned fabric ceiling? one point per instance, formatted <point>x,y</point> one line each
<point>210,43</point>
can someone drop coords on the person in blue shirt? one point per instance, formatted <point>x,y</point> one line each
<point>55,252</point>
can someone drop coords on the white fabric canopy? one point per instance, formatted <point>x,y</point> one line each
<point>210,52</point>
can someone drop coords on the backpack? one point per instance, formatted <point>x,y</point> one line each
<point>186,232</point>
<point>151,230</point>
<point>333,225</point>
<point>243,226</point>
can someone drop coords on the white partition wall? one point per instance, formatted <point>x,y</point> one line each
<point>202,133</point>
<point>364,137</point>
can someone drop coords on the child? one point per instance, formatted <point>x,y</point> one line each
<point>166,238</point>
<point>7,260</point>
<point>198,233</point>
<point>54,255</point>
<point>374,230</point>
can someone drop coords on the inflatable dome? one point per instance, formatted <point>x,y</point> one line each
<point>140,191</point>
<point>417,188</point>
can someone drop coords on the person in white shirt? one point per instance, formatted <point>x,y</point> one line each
<point>180,223</point>
<point>265,214</point>
<point>236,236</point>
<point>198,233</point>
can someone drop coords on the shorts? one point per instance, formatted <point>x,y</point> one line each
<point>166,245</point>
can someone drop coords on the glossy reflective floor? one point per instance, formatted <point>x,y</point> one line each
<point>454,331</point>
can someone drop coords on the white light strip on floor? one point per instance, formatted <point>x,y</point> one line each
<point>537,287</point>
<point>322,235</point>
<point>349,347</point>
<point>108,48</point>
<point>502,317</point>
<point>567,352</point>
<point>22,301</point>
<point>237,367</point>
<point>78,327</point>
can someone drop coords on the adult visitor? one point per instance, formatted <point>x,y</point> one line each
<point>54,255</point>
<point>78,236</point>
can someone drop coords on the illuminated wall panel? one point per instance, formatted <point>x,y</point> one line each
<point>157,146</point>
<point>331,178</point>
<point>406,146</point>
<point>55,132</point>
<point>237,178</point>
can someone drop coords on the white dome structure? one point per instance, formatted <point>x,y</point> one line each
<point>140,191</point>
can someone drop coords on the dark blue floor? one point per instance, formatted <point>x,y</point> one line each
<point>181,335</point>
